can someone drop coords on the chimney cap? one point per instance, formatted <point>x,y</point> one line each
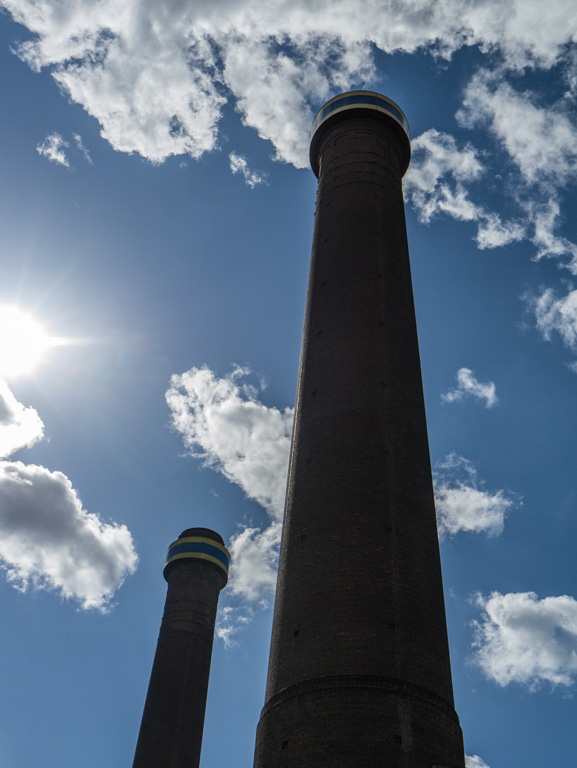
<point>353,104</point>
<point>199,544</point>
<point>207,533</point>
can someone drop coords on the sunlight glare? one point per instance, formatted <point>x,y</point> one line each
<point>23,341</point>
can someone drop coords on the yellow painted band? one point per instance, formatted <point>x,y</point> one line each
<point>201,540</point>
<point>197,556</point>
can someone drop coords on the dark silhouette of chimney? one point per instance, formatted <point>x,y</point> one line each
<point>359,673</point>
<point>196,570</point>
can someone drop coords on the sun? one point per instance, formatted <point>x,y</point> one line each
<point>23,341</point>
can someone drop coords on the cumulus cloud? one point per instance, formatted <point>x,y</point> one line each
<point>20,427</point>
<point>48,541</point>
<point>522,639</point>
<point>468,386</point>
<point>462,502</point>
<point>222,422</point>
<point>54,149</point>
<point>238,164</point>
<point>556,314</point>
<point>474,761</point>
<point>157,75</point>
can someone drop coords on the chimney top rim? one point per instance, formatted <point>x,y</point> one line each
<point>355,103</point>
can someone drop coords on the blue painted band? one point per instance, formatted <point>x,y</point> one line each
<point>192,548</point>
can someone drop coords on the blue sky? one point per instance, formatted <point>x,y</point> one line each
<point>155,217</point>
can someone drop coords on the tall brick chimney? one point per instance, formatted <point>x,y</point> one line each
<point>359,673</point>
<point>196,569</point>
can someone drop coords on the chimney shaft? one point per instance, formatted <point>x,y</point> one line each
<point>170,735</point>
<point>359,671</point>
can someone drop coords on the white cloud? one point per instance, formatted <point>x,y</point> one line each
<point>541,142</point>
<point>544,218</point>
<point>435,184</point>
<point>467,385</point>
<point>462,502</point>
<point>434,181</point>
<point>253,563</point>
<point>48,541</point>
<point>276,84</point>
<point>494,233</point>
<point>223,422</point>
<point>238,164</point>
<point>81,148</point>
<point>230,620</point>
<point>541,139</point>
<point>474,761</point>
<point>157,75</point>
<point>556,314</point>
<point>522,639</point>
<point>20,427</point>
<point>54,148</point>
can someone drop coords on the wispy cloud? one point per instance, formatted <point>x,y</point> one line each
<point>253,569</point>
<point>54,149</point>
<point>468,386</point>
<point>541,140</point>
<point>522,639</point>
<point>540,157</point>
<point>555,314</point>
<point>230,620</point>
<point>238,164</point>
<point>545,218</point>
<point>436,183</point>
<point>463,504</point>
<point>81,148</point>
<point>48,541</point>
<point>254,558</point>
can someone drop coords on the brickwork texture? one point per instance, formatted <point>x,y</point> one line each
<point>359,671</point>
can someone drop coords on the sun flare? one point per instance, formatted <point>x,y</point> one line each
<point>23,341</point>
